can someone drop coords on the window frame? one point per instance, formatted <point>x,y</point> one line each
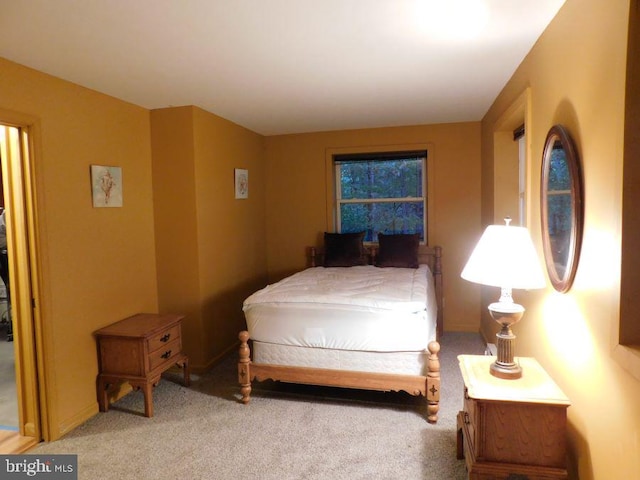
<point>522,179</point>
<point>333,180</point>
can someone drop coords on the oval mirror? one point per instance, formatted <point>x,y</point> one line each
<point>561,207</point>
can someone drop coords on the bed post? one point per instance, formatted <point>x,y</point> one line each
<point>437,275</point>
<point>433,382</point>
<point>312,256</point>
<point>244,376</point>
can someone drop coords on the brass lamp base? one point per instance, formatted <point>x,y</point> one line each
<point>506,314</point>
<point>508,372</point>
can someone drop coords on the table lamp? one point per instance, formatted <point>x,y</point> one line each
<point>505,257</point>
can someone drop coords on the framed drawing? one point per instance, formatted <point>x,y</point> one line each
<point>242,183</point>
<point>106,186</point>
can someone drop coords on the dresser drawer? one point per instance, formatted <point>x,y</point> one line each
<point>162,339</point>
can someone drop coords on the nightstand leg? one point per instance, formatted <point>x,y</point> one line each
<point>186,371</point>
<point>147,390</point>
<point>103,400</point>
<point>460,437</point>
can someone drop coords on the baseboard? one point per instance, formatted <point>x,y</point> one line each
<point>76,420</point>
<point>491,350</point>
<point>231,349</point>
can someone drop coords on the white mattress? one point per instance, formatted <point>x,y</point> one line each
<point>362,308</point>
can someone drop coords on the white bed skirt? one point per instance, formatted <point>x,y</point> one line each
<point>407,363</point>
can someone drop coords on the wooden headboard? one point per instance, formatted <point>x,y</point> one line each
<point>431,256</point>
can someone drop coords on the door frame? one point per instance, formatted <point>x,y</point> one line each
<point>19,147</point>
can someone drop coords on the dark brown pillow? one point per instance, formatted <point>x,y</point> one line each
<point>398,250</point>
<point>344,249</point>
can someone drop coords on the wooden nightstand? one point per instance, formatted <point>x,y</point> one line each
<point>511,429</point>
<point>138,350</point>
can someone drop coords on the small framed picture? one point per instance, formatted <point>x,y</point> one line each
<point>106,186</point>
<point>242,183</point>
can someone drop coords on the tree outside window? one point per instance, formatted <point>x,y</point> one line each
<point>382,193</point>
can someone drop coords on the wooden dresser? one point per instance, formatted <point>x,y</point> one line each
<point>138,350</point>
<point>511,429</point>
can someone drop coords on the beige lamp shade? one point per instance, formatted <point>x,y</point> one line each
<point>505,257</point>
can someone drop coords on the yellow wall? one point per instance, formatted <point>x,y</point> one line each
<point>97,264</point>
<point>576,73</point>
<point>211,247</point>
<point>231,233</point>
<point>297,200</point>
<point>176,227</point>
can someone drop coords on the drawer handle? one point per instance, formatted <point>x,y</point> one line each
<point>466,418</point>
<point>165,338</point>
<point>166,354</point>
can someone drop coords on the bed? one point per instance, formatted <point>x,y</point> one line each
<point>369,318</point>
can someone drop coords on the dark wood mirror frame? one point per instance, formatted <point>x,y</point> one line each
<point>561,205</point>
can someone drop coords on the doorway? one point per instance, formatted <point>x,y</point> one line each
<point>17,189</point>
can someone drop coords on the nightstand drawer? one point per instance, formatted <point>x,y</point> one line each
<point>470,419</point>
<point>162,339</point>
<point>164,354</point>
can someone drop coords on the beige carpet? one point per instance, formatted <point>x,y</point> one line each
<point>286,432</point>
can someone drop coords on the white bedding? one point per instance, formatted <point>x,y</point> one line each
<point>362,308</point>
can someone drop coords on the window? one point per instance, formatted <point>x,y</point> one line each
<point>518,136</point>
<point>381,192</point>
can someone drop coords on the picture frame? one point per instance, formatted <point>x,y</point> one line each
<point>241,177</point>
<point>106,186</point>
<point>561,207</point>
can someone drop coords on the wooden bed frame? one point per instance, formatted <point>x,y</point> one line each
<point>427,385</point>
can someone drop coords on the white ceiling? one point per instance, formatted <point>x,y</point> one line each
<point>284,66</point>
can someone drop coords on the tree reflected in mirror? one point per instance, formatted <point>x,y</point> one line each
<point>561,207</point>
